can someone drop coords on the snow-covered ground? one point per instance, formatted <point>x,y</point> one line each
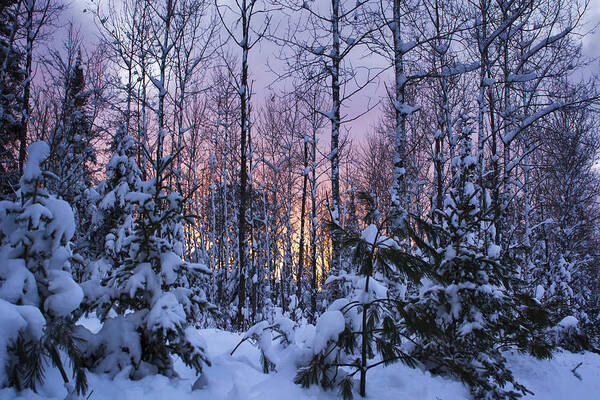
<point>240,377</point>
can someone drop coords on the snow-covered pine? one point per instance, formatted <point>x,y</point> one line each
<point>151,298</point>
<point>112,219</point>
<point>111,215</point>
<point>562,264</point>
<point>37,293</point>
<point>71,141</point>
<point>72,156</point>
<point>471,301</point>
<point>11,76</point>
<point>363,329</point>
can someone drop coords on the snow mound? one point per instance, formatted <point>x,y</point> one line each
<point>240,377</point>
<point>568,322</point>
<point>329,327</point>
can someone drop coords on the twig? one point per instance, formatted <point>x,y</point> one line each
<point>574,371</point>
<point>238,345</point>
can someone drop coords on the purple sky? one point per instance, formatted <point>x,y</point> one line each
<point>262,77</point>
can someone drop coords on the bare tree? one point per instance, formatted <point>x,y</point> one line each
<point>37,15</point>
<point>322,42</point>
<point>245,13</point>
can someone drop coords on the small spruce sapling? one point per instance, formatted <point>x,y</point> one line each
<point>362,330</point>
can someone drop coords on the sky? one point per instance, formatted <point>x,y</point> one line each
<point>262,77</point>
<point>592,42</point>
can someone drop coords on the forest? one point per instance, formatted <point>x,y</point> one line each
<point>343,185</point>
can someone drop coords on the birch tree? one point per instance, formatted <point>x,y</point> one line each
<point>245,12</point>
<point>321,44</point>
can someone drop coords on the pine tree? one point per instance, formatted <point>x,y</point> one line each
<point>11,77</point>
<point>156,295</point>
<point>109,214</point>
<point>564,266</point>
<point>37,292</point>
<point>73,152</point>
<point>72,157</point>
<point>473,301</point>
<point>363,329</point>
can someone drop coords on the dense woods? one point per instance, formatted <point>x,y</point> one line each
<point>148,181</point>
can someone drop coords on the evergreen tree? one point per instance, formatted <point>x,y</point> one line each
<point>157,297</point>
<point>37,292</point>
<point>366,327</point>
<point>564,268</point>
<point>73,152</point>
<point>11,78</point>
<point>473,301</point>
<point>72,157</point>
<point>109,214</point>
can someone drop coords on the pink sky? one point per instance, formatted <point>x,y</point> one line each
<point>262,77</point>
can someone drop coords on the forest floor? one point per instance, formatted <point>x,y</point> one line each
<point>240,377</point>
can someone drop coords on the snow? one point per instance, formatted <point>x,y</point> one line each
<point>108,201</point>
<point>539,292</point>
<point>554,380</point>
<point>469,189</point>
<point>17,283</point>
<point>240,377</point>
<point>494,250</point>
<point>372,235</point>
<point>405,109</point>
<point>36,154</point>
<point>169,264</point>
<point>369,234</point>
<point>488,81</point>
<point>138,197</point>
<point>159,85</point>
<point>35,213</point>
<point>34,319</point>
<point>194,337</point>
<point>200,267</point>
<point>66,294</point>
<point>167,314</point>
<point>568,322</point>
<point>117,339</point>
<point>329,327</point>
<point>458,69</point>
<point>15,319</point>
<point>522,77</point>
<point>510,136</point>
<point>141,277</point>
<point>63,223</point>
<point>329,115</point>
<point>60,258</point>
